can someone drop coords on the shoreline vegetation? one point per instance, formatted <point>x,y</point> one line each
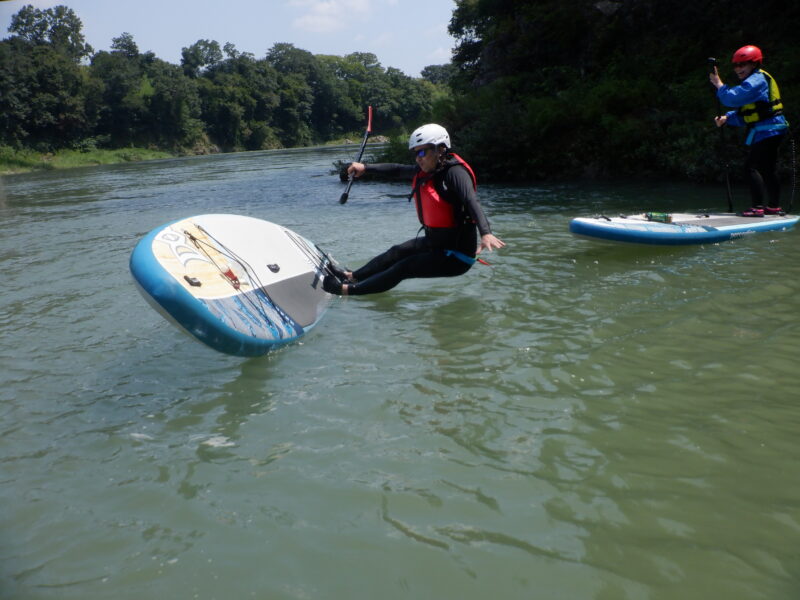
<point>16,162</point>
<point>63,104</point>
<point>535,90</point>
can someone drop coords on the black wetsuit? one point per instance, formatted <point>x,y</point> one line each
<point>426,255</point>
<point>765,187</point>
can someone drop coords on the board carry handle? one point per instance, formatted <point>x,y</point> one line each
<point>346,193</point>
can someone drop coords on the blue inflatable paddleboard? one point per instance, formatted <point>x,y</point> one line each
<point>240,285</point>
<point>677,228</point>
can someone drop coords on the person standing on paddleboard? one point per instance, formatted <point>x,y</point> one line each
<point>758,106</point>
<point>444,189</point>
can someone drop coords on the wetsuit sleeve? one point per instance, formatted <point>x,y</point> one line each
<point>459,183</point>
<point>391,169</point>
<point>734,120</point>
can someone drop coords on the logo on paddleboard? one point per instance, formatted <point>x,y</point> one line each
<point>181,248</point>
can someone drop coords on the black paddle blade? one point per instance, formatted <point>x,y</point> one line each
<point>346,193</point>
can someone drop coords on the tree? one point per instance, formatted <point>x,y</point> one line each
<point>203,53</point>
<point>307,95</point>
<point>439,74</point>
<point>59,27</point>
<point>125,45</point>
<point>173,116</point>
<point>366,59</point>
<point>43,101</point>
<point>610,88</point>
<point>239,99</point>
<point>124,97</point>
<point>120,97</point>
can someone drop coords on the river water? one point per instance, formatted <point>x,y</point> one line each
<point>577,420</point>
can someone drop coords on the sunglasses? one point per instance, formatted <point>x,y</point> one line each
<point>421,153</point>
<point>740,65</point>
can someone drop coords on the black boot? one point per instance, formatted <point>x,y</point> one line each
<point>332,285</point>
<point>340,273</point>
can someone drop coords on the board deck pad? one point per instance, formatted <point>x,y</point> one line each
<point>241,285</point>
<point>683,228</point>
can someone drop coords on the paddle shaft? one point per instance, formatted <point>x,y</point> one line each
<point>794,171</point>
<point>712,65</point>
<point>346,193</point>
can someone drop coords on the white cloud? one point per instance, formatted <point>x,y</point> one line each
<point>441,55</point>
<point>316,23</point>
<point>325,16</point>
<point>437,31</point>
<point>383,39</point>
<point>40,4</point>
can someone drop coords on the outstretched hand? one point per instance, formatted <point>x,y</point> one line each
<point>714,78</point>
<point>490,242</point>
<point>356,169</point>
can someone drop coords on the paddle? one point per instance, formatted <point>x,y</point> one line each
<point>343,199</point>
<point>712,66</point>
<point>794,171</point>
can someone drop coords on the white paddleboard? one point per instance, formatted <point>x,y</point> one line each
<point>682,228</point>
<point>240,285</point>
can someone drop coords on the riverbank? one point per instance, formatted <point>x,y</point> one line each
<point>23,161</point>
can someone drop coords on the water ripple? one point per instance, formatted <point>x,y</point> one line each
<point>576,420</point>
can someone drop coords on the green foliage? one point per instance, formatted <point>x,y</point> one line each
<point>439,74</point>
<point>58,27</point>
<point>15,160</point>
<point>558,88</point>
<point>536,89</point>
<point>42,104</point>
<point>125,44</point>
<point>238,97</point>
<point>203,53</point>
<point>396,151</point>
<point>215,99</point>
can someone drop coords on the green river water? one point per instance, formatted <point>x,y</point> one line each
<point>575,421</point>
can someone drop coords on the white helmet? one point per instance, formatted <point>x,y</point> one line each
<point>429,134</point>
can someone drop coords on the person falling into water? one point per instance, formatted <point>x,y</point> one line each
<point>758,106</point>
<point>444,189</point>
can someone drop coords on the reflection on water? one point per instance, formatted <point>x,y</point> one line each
<point>576,420</point>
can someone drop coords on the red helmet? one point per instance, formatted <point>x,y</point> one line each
<point>748,54</point>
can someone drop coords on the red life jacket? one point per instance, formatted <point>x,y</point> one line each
<point>432,209</point>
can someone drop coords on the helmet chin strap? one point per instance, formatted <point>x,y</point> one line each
<point>442,152</point>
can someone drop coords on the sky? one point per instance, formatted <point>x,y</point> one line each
<point>406,34</point>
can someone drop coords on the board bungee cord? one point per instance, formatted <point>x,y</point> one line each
<point>256,301</point>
